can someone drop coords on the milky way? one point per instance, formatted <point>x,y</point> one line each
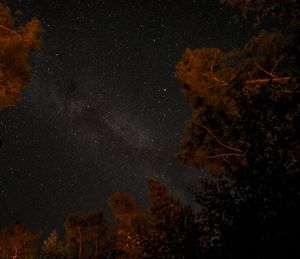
<point>103,112</point>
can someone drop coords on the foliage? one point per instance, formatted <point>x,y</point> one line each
<point>53,248</point>
<point>228,92</point>
<point>132,225</point>
<point>87,235</point>
<point>173,231</point>
<point>244,131</point>
<point>16,241</point>
<point>166,230</point>
<point>16,44</point>
<point>282,11</point>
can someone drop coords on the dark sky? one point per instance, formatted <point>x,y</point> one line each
<point>103,111</point>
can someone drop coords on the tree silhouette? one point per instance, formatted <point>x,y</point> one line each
<point>16,44</point>
<point>173,231</point>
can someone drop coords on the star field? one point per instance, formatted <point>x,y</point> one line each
<point>103,112</point>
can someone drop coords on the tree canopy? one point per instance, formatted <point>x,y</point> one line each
<point>244,131</point>
<point>16,44</point>
<point>282,11</point>
<point>245,105</point>
<point>16,241</point>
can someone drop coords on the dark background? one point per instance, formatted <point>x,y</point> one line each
<point>103,112</point>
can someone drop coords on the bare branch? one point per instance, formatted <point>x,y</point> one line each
<point>213,62</point>
<point>224,155</point>
<point>222,82</point>
<point>250,74</point>
<point>12,31</point>
<point>277,80</point>
<point>265,71</point>
<point>276,64</point>
<point>218,141</point>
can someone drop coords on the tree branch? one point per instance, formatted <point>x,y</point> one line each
<point>218,141</point>
<point>12,31</point>
<point>262,69</point>
<point>250,74</point>
<point>276,80</point>
<point>224,155</point>
<point>276,64</point>
<point>5,254</point>
<point>6,68</point>
<point>213,62</point>
<point>223,83</point>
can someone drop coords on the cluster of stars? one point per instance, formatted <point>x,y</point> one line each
<point>103,112</point>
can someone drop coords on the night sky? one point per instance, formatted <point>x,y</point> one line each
<point>103,111</point>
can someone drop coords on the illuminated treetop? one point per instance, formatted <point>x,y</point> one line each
<point>245,104</point>
<point>16,44</point>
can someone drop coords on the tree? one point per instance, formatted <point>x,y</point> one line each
<point>244,131</point>
<point>166,230</point>
<point>87,235</point>
<point>99,235</point>
<point>16,44</point>
<point>173,231</point>
<point>132,225</point>
<point>53,248</point>
<point>74,226</point>
<point>282,11</point>
<point>227,92</point>
<point>16,241</point>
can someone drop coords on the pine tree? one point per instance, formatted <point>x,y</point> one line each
<point>16,44</point>
<point>173,231</point>
<point>53,248</point>
<point>244,132</point>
